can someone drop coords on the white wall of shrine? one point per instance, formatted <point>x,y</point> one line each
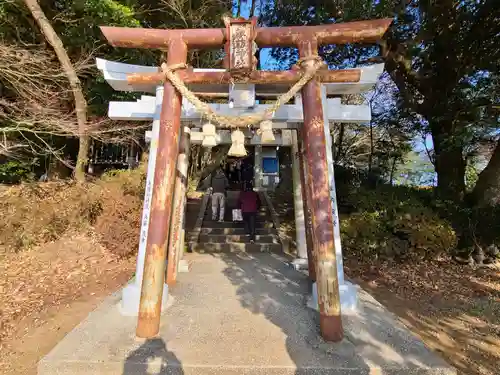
<point>143,110</point>
<point>286,120</point>
<point>115,74</point>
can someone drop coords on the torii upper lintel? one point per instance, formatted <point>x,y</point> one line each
<point>338,33</point>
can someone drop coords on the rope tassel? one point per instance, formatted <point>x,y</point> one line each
<point>209,133</point>
<point>266,132</point>
<point>238,144</point>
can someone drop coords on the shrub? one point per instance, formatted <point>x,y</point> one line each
<point>13,172</point>
<point>476,226</point>
<point>32,214</point>
<point>118,225</point>
<point>393,222</point>
<point>36,213</point>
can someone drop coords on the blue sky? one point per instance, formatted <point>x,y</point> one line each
<point>266,60</point>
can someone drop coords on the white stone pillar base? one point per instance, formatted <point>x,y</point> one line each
<point>131,297</point>
<point>300,264</point>
<point>183,266</point>
<point>348,298</point>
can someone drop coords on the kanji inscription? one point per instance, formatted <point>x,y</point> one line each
<point>240,45</point>
<point>240,52</point>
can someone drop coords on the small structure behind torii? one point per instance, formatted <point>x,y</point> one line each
<point>316,173</point>
<point>286,122</point>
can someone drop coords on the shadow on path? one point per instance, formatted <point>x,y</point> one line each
<point>152,358</point>
<point>267,285</point>
<point>454,308</point>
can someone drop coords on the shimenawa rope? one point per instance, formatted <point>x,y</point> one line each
<point>308,65</point>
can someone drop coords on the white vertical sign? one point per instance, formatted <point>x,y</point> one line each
<point>298,200</point>
<point>333,193</point>
<point>153,147</point>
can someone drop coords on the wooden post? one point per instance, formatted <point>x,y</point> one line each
<point>322,223</point>
<point>307,194</point>
<point>174,242</point>
<point>257,167</point>
<point>148,323</point>
<point>187,152</point>
<point>298,201</point>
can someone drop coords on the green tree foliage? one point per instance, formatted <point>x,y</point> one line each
<point>442,55</point>
<point>381,146</point>
<point>296,12</point>
<point>390,222</point>
<point>401,231</point>
<point>416,170</point>
<point>15,172</point>
<point>77,24</point>
<point>471,174</point>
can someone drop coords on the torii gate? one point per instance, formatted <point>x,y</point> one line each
<point>238,38</point>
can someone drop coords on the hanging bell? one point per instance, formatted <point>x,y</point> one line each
<point>238,144</point>
<point>209,133</point>
<point>266,131</point>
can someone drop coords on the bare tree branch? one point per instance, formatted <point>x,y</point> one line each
<point>74,82</point>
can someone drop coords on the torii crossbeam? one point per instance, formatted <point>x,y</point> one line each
<point>239,39</point>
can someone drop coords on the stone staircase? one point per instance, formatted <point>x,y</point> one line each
<point>230,236</point>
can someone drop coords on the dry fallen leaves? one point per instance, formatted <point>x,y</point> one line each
<point>50,275</point>
<point>454,308</point>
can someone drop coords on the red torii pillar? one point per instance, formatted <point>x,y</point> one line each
<point>320,203</point>
<point>306,39</point>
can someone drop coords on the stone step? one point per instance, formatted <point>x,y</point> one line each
<point>237,231</point>
<point>234,205</point>
<point>233,247</point>
<point>231,224</point>
<point>207,221</point>
<point>229,213</point>
<point>242,238</point>
<point>229,217</point>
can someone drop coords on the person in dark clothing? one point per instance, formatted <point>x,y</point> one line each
<point>249,204</point>
<point>234,171</point>
<point>247,172</point>
<point>219,185</point>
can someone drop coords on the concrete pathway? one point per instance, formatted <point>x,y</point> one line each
<point>241,314</point>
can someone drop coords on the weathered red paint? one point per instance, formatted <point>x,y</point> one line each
<point>156,250</point>
<point>129,37</point>
<point>257,77</point>
<point>337,33</point>
<point>321,215</point>
<point>174,242</point>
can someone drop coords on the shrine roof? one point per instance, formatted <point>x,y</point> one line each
<point>116,74</point>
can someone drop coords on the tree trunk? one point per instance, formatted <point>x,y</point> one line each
<point>449,162</point>
<point>238,12</point>
<point>80,102</point>
<point>487,189</point>
<point>252,8</point>
<point>339,143</point>
<point>370,157</point>
<point>393,169</point>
